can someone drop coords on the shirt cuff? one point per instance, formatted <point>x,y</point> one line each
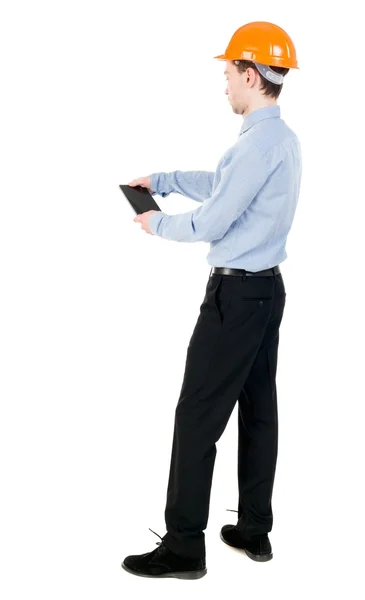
<point>154,221</point>
<point>154,183</point>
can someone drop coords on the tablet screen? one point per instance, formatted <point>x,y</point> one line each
<point>139,198</point>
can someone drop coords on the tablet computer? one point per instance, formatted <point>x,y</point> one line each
<point>139,198</point>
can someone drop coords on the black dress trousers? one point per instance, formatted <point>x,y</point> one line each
<point>232,355</point>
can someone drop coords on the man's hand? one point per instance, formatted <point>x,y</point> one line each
<point>143,219</point>
<point>143,182</point>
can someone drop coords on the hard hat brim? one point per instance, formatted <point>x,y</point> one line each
<point>293,65</point>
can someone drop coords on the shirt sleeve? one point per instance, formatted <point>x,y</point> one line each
<point>197,185</point>
<point>242,174</point>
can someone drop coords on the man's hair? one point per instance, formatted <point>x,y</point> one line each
<point>269,88</point>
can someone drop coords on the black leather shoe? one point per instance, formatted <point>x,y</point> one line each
<point>258,548</point>
<point>162,562</point>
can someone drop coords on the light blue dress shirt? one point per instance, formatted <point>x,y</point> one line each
<point>247,205</point>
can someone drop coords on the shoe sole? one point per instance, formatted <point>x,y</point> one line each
<point>177,575</point>
<point>256,557</point>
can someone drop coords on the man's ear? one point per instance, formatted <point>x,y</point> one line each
<point>251,75</point>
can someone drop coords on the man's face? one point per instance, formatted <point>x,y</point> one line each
<point>237,88</point>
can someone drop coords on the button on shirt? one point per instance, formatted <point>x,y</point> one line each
<point>247,204</point>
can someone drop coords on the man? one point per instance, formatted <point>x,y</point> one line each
<point>246,212</point>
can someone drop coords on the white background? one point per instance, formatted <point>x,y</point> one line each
<point>96,314</point>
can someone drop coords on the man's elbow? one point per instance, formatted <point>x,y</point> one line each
<point>206,230</point>
<point>207,236</point>
<point>216,232</point>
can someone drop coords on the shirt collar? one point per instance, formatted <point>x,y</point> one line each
<point>259,114</point>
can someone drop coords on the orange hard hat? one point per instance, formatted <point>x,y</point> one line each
<point>264,43</point>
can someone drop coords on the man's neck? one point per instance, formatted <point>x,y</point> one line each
<point>257,105</point>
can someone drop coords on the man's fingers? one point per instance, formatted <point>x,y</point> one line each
<point>142,181</point>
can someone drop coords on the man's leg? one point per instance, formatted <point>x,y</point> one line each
<point>258,431</point>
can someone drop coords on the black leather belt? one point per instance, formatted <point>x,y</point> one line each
<point>241,272</point>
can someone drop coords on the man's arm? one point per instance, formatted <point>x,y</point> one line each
<point>243,173</point>
<point>197,185</point>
